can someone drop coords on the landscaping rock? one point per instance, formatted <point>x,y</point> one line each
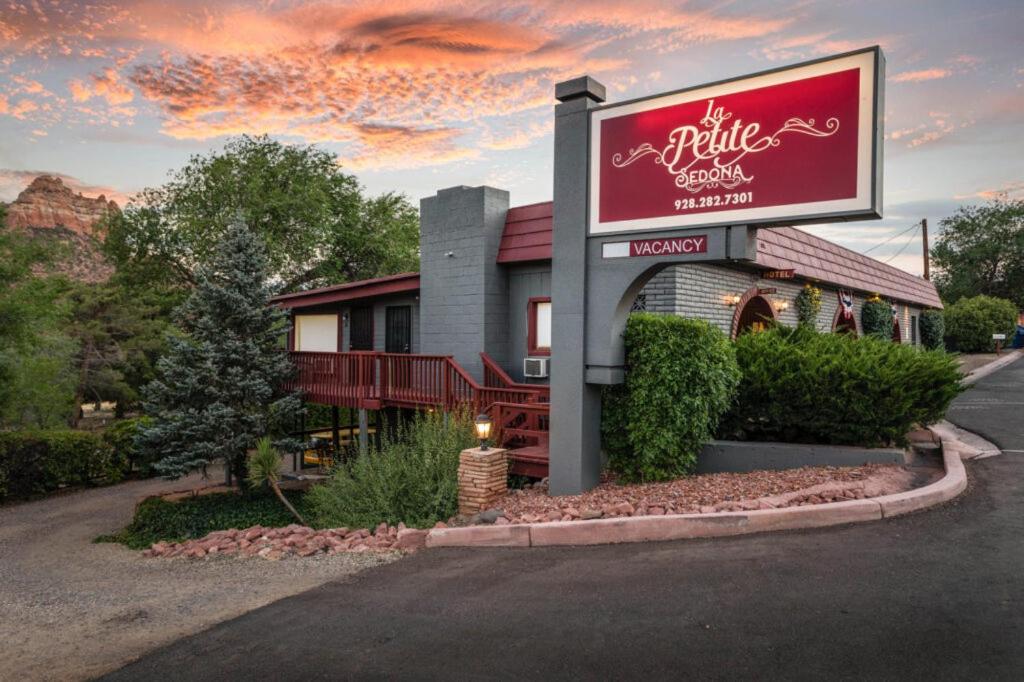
<point>490,516</point>
<point>588,514</point>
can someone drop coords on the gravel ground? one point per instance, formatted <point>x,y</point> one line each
<point>72,609</point>
<point>716,492</point>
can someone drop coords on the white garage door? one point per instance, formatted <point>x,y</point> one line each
<point>316,333</point>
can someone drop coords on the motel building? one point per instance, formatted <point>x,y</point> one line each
<point>518,312</point>
<point>473,325</point>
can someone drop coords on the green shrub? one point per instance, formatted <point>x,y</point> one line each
<point>121,436</point>
<point>808,305</point>
<point>876,319</point>
<point>157,520</point>
<point>971,322</point>
<point>808,387</point>
<point>411,477</point>
<point>681,377</point>
<point>932,329</point>
<point>38,462</point>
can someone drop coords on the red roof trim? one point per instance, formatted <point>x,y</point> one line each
<point>368,288</point>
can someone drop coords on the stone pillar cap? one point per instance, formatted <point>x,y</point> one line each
<point>584,86</point>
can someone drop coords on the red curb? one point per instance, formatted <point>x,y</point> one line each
<point>943,490</point>
<point>480,536</point>
<point>686,526</point>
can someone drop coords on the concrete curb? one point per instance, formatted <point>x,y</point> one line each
<point>994,366</point>
<point>719,524</point>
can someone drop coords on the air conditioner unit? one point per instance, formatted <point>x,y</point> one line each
<point>535,368</point>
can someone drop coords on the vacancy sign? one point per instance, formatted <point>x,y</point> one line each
<point>677,246</point>
<point>800,144</point>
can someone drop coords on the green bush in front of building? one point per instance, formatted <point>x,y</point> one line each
<point>681,378</point>
<point>971,322</point>
<point>933,329</point>
<point>412,477</point>
<point>38,462</point>
<point>808,305</point>
<point>802,386</point>
<point>876,319</point>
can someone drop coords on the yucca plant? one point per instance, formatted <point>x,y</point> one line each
<point>265,467</point>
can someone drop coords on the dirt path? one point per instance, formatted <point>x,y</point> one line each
<point>73,610</point>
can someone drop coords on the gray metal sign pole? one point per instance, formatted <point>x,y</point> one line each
<point>592,293</point>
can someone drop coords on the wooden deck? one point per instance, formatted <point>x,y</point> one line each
<point>372,380</point>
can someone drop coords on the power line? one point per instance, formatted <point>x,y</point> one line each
<point>914,226</point>
<point>904,247</point>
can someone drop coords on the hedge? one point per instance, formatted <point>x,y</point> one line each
<point>876,319</point>
<point>932,329</point>
<point>808,387</point>
<point>971,322</point>
<point>122,435</point>
<point>37,462</point>
<point>681,378</point>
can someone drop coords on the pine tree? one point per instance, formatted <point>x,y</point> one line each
<point>218,389</point>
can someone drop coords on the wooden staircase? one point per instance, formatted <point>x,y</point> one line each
<point>521,427</point>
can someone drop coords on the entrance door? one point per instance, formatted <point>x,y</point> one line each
<point>398,329</point>
<point>756,316</point>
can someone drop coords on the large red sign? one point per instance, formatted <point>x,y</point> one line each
<point>796,145</point>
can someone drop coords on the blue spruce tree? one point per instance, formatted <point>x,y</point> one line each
<point>218,389</point>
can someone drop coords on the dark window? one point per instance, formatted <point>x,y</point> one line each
<point>398,329</point>
<point>360,335</point>
<point>913,329</point>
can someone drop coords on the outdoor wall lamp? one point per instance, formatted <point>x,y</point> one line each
<point>483,429</point>
<point>781,305</point>
<point>734,299</point>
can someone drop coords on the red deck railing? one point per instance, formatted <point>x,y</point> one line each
<point>373,380</point>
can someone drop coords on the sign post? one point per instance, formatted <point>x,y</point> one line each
<point>688,177</point>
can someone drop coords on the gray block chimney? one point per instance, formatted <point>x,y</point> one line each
<point>463,291</point>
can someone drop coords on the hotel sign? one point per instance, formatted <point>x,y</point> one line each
<point>800,144</point>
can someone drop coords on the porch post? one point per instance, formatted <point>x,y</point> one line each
<point>575,442</point>
<point>335,430</point>
<point>363,428</point>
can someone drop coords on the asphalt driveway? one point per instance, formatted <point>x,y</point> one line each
<point>933,595</point>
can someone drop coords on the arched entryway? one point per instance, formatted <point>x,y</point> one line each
<point>754,312</point>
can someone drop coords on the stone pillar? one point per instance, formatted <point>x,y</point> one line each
<point>483,479</point>
<point>575,459</point>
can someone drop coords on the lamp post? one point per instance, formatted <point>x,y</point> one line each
<point>483,429</point>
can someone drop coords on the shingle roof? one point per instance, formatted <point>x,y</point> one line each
<point>784,248</point>
<point>367,288</point>
<point>527,237</point>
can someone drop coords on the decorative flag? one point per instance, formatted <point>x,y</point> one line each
<point>846,303</point>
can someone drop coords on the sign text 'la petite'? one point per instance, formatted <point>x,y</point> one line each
<point>798,144</point>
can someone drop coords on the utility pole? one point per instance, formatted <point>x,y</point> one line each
<point>924,237</point>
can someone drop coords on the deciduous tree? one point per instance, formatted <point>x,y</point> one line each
<point>314,220</point>
<point>981,251</point>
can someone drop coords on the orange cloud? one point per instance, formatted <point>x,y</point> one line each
<point>445,72</point>
<point>920,76</point>
<point>107,85</point>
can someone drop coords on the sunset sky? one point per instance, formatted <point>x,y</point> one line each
<point>415,95</point>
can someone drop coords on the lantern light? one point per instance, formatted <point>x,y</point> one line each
<point>734,299</point>
<point>483,429</point>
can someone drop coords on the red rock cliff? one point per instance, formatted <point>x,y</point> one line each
<point>48,203</point>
